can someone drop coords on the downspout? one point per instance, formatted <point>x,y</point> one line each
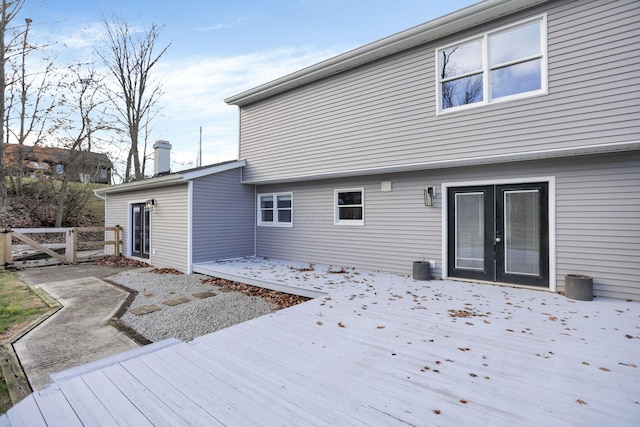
<point>95,193</point>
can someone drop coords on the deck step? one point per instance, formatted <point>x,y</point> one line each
<point>112,360</point>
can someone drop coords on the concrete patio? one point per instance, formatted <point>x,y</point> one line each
<point>373,349</point>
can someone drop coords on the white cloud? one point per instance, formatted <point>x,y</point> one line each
<point>195,91</point>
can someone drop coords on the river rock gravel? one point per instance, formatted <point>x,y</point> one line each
<point>187,320</point>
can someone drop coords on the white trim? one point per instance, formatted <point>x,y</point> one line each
<point>336,208</point>
<point>130,225</point>
<point>173,179</point>
<point>275,222</point>
<point>551,193</point>
<point>468,161</point>
<point>189,228</point>
<point>214,169</point>
<point>486,68</point>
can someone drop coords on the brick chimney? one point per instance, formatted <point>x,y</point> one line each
<point>161,158</point>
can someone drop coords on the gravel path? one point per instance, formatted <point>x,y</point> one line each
<point>188,320</point>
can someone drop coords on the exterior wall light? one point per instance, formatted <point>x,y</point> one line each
<point>429,196</point>
<point>150,204</point>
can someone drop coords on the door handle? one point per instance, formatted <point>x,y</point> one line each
<point>498,240</point>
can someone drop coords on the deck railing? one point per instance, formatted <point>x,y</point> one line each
<point>57,245</point>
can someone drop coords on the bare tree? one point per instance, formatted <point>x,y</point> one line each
<point>130,55</point>
<point>10,8</point>
<point>86,120</point>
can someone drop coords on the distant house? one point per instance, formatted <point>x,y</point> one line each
<point>501,142</point>
<point>78,166</point>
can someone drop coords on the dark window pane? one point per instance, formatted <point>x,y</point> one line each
<point>517,78</point>
<point>266,202</point>
<point>350,213</point>
<point>466,90</point>
<point>284,215</point>
<point>460,59</point>
<point>350,198</point>
<point>267,216</point>
<point>284,201</point>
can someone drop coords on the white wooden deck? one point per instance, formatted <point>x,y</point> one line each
<point>378,350</point>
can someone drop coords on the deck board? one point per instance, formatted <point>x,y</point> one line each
<point>181,403</point>
<point>28,415</point>
<point>243,383</point>
<point>382,350</point>
<point>54,406</point>
<point>144,399</point>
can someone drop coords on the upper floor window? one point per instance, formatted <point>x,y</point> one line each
<point>349,207</point>
<point>508,63</point>
<point>275,209</point>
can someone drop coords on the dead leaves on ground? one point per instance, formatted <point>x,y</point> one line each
<point>120,261</point>
<point>166,271</point>
<point>279,299</point>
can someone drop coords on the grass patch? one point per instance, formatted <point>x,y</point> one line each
<point>19,306</point>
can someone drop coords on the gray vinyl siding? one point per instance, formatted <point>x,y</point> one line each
<point>169,223</point>
<point>116,213</point>
<point>223,217</point>
<point>597,220</point>
<point>384,113</point>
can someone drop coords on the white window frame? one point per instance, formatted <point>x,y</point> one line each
<point>336,210</point>
<point>486,69</point>
<point>275,222</point>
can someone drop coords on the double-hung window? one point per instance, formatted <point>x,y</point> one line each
<point>275,209</point>
<point>349,206</point>
<point>507,63</point>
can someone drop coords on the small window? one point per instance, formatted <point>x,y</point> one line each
<point>349,207</point>
<point>508,63</point>
<point>59,169</point>
<point>275,209</point>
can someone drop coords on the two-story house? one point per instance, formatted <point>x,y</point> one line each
<point>501,142</point>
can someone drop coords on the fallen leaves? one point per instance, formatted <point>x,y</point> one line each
<point>340,324</point>
<point>166,271</point>
<point>279,299</point>
<point>437,411</point>
<point>581,402</point>
<point>120,261</point>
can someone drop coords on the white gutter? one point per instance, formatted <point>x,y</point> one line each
<point>173,179</point>
<point>469,161</point>
<point>454,22</point>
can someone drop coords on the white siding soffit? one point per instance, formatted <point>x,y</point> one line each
<point>468,161</point>
<point>173,179</point>
<point>448,24</point>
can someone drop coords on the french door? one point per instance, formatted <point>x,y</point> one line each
<point>499,233</point>
<point>140,230</point>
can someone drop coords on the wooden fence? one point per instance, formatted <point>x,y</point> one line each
<point>69,246</point>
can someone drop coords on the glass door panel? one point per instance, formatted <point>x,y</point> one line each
<point>522,232</point>
<point>469,231</point>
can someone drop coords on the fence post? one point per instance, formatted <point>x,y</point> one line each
<point>5,247</point>
<point>71,246</point>
<point>116,238</point>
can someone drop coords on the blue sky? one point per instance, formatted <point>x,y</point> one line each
<point>222,47</point>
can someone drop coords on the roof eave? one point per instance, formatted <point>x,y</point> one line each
<point>461,162</point>
<point>168,180</point>
<point>423,33</point>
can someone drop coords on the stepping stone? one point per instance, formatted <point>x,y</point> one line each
<point>172,302</point>
<point>206,294</point>
<point>145,309</point>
